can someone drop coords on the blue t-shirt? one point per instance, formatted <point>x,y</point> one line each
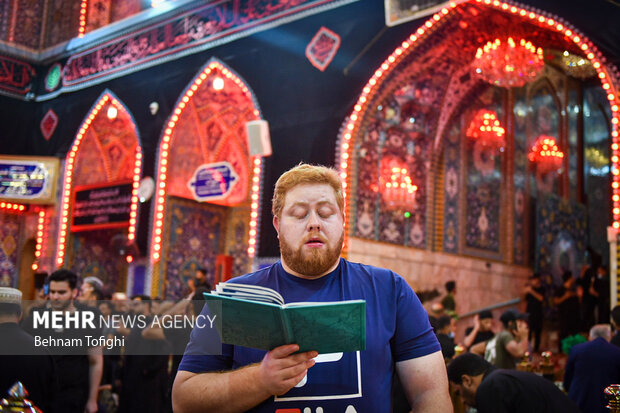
<point>397,329</point>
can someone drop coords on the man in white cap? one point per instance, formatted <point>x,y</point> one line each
<point>20,359</point>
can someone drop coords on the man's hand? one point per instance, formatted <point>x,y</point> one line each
<point>91,406</point>
<point>281,370</point>
<point>522,331</point>
<point>476,322</point>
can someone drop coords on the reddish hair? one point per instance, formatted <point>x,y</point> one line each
<point>306,174</point>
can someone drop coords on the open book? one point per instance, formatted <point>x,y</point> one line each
<point>257,317</point>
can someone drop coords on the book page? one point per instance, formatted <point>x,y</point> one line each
<point>250,323</point>
<point>328,327</point>
<point>261,293</point>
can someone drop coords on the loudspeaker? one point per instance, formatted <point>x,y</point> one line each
<point>259,141</point>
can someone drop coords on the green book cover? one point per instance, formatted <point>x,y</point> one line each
<point>327,327</point>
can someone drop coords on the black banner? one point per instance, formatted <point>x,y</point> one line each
<point>101,207</point>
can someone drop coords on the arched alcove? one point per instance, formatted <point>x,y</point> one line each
<point>194,226</point>
<point>472,207</point>
<point>99,195</point>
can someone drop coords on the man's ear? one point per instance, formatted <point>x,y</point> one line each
<point>276,224</point>
<point>466,380</point>
<point>74,293</point>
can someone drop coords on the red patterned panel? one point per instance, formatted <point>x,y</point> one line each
<point>48,124</point>
<point>211,129</point>
<point>5,14</point>
<point>123,9</point>
<point>322,48</point>
<point>98,14</point>
<point>27,29</point>
<point>108,150</point>
<point>62,21</point>
<point>186,154</point>
<point>89,166</point>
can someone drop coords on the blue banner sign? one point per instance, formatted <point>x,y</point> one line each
<point>27,180</point>
<point>213,181</point>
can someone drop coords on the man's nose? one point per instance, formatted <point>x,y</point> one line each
<point>314,223</point>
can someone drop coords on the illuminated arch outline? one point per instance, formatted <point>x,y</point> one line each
<point>68,175</point>
<point>82,24</point>
<point>353,122</point>
<point>163,153</point>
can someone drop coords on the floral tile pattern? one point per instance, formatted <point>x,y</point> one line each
<point>196,235</point>
<point>561,236</point>
<point>9,234</point>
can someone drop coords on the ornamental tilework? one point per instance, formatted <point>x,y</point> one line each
<point>107,151</point>
<point>98,14</point>
<point>27,30</point>
<point>483,177</point>
<point>91,254</point>
<point>210,129</point>
<point>401,130</point>
<point>9,236</point>
<point>237,241</point>
<point>196,233</point>
<point>62,21</point>
<point>452,168</point>
<point>122,9</point>
<point>520,176</point>
<point>106,154</point>
<point>561,236</point>
<point>5,13</point>
<point>544,119</point>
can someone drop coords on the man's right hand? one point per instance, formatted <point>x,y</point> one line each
<point>281,370</point>
<point>523,330</point>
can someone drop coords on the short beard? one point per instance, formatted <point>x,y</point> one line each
<point>61,305</point>
<point>318,263</point>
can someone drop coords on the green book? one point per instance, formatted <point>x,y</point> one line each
<point>257,317</point>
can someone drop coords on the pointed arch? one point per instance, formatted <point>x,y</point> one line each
<point>106,149</point>
<point>207,125</point>
<point>390,71</point>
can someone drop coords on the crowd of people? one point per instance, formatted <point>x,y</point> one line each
<point>134,376</point>
<point>483,362</point>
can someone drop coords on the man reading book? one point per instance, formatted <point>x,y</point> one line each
<point>308,215</point>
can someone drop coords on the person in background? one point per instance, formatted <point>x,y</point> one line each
<point>448,301</point>
<point>492,390</point>
<point>615,322</point>
<point>178,338</point>
<point>145,368</point>
<point>534,297</point>
<point>79,369</point>
<point>567,301</point>
<point>587,301</point>
<point>91,291</point>
<point>509,345</point>
<point>445,329</point>
<point>20,359</point>
<point>436,311</point>
<point>482,331</point>
<point>591,367</point>
<point>199,280</point>
<point>600,291</point>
